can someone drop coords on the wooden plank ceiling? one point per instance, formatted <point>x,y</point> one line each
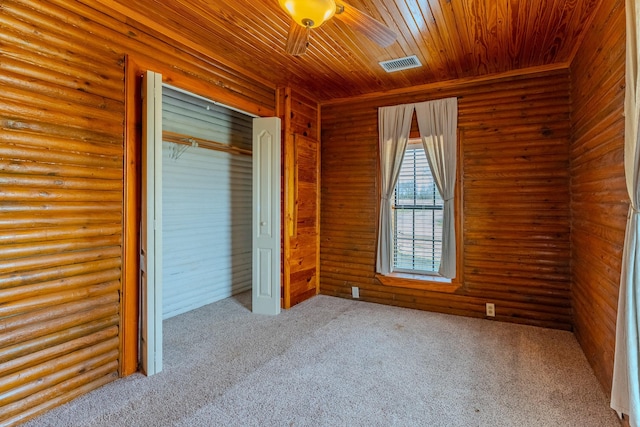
<point>452,38</point>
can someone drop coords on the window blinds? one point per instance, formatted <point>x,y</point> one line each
<point>417,215</point>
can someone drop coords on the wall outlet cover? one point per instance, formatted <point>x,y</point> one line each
<point>491,309</point>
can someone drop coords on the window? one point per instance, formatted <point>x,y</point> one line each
<point>419,226</point>
<point>417,216</point>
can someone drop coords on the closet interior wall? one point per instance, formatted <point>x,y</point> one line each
<point>207,202</point>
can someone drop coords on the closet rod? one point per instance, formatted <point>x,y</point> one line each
<point>204,143</point>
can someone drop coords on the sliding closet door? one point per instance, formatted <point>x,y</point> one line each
<point>207,188</point>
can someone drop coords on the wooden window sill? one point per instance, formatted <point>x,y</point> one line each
<point>419,281</point>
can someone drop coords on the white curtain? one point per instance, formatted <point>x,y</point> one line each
<point>438,122</point>
<point>625,394</point>
<point>394,126</point>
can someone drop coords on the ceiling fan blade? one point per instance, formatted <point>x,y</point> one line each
<point>297,40</point>
<point>365,24</point>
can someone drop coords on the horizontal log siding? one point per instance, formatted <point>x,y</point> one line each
<point>514,136</point>
<point>599,201</point>
<point>61,192</point>
<point>60,213</point>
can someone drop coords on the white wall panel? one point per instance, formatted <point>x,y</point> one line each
<point>206,206</point>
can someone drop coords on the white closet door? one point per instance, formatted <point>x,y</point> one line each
<point>151,227</point>
<point>266,216</point>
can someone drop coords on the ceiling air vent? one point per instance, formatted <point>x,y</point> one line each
<point>401,64</point>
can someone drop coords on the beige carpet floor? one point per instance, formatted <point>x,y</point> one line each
<point>337,362</point>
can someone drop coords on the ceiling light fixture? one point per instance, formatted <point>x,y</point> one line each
<point>309,13</point>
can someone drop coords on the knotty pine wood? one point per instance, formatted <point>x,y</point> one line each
<point>599,201</point>
<point>287,183</point>
<point>300,196</point>
<point>514,134</point>
<point>452,39</point>
<point>63,300</point>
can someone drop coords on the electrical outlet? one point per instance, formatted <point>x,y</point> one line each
<point>491,309</point>
<point>355,292</point>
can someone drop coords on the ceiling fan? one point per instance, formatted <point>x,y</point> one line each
<point>308,14</point>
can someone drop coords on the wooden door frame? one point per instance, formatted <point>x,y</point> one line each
<point>130,294</point>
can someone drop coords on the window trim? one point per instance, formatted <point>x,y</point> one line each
<point>419,281</point>
<point>434,282</point>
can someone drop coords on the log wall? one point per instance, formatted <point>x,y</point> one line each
<point>62,114</point>
<point>599,198</point>
<point>301,196</point>
<point>514,134</point>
